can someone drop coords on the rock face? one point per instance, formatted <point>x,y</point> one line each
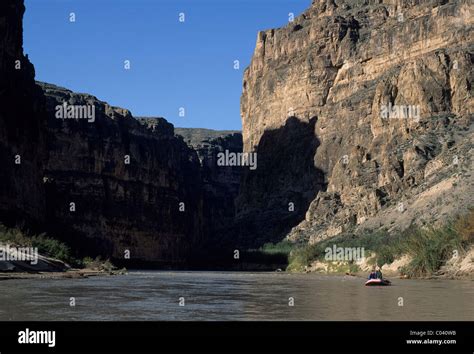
<point>277,193</point>
<point>356,110</point>
<point>134,185</point>
<point>221,183</point>
<point>22,125</point>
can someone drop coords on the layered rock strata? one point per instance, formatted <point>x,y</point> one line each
<point>117,185</point>
<point>383,92</point>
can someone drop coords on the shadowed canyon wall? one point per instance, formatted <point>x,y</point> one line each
<point>126,180</point>
<point>277,193</point>
<point>221,183</point>
<point>22,125</point>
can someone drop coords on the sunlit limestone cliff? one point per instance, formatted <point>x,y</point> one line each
<point>361,115</point>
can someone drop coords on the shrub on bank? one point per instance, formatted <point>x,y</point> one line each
<point>284,248</point>
<point>431,248</point>
<point>428,247</point>
<point>98,264</point>
<point>47,246</point>
<point>52,248</point>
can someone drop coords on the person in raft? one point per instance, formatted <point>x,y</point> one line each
<point>372,274</point>
<point>376,273</point>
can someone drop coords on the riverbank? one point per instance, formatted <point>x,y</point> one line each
<point>69,274</point>
<point>43,267</point>
<point>456,268</point>
<point>24,256</point>
<point>445,251</point>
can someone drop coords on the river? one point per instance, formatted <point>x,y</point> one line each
<point>179,295</point>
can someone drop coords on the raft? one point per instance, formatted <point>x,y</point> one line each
<point>378,282</point>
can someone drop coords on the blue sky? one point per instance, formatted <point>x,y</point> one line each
<point>173,64</point>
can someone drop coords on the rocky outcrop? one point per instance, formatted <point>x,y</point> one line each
<point>377,95</point>
<point>22,125</point>
<point>201,139</point>
<point>220,182</point>
<point>116,185</point>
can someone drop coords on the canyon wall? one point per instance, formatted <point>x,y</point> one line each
<point>22,125</point>
<point>111,185</point>
<point>314,107</point>
<point>134,185</point>
<point>221,183</point>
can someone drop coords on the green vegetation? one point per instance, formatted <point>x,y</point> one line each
<point>371,242</point>
<point>344,268</point>
<point>270,254</point>
<point>98,264</point>
<point>46,245</point>
<point>428,247</point>
<point>283,248</point>
<point>51,248</point>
